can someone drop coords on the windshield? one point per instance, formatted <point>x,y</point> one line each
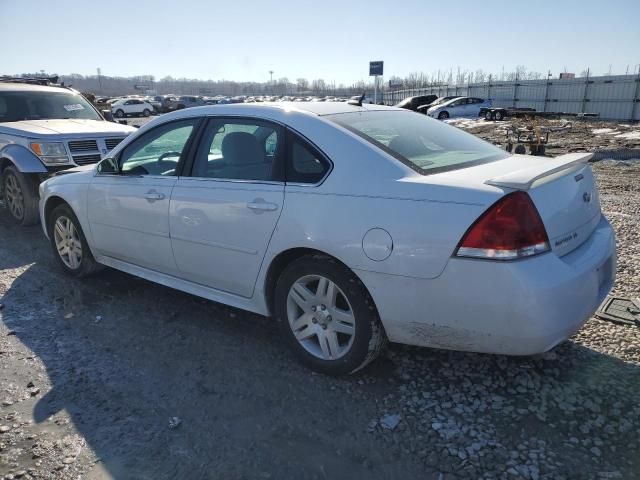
<point>44,105</point>
<point>443,100</point>
<point>422,143</point>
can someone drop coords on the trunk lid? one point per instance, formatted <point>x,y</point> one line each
<point>562,188</point>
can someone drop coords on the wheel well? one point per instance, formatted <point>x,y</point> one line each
<point>281,261</point>
<point>52,202</point>
<point>4,163</point>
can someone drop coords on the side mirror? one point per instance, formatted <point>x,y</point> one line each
<point>108,116</point>
<point>108,166</point>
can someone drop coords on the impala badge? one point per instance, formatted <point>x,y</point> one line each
<point>586,197</point>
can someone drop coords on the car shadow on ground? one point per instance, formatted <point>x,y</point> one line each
<point>124,356</point>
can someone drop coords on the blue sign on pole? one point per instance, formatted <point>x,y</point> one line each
<point>375,68</point>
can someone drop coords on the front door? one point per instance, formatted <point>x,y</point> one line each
<point>129,209</point>
<point>222,216</point>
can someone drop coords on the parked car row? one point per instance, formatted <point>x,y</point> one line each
<point>445,107</point>
<point>137,105</point>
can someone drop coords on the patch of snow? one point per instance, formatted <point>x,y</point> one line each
<point>630,135</point>
<point>466,123</point>
<point>625,163</point>
<point>600,131</point>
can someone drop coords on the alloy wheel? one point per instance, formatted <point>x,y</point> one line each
<point>14,197</point>
<point>68,243</point>
<point>321,317</point>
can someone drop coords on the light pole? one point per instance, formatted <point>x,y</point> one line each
<point>271,80</point>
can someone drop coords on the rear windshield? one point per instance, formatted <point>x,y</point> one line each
<point>422,143</point>
<point>33,105</point>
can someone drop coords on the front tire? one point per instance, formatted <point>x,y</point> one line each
<point>20,197</point>
<point>69,244</point>
<point>146,112</point>
<point>443,115</point>
<point>327,316</point>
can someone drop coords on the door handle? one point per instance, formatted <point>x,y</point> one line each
<point>259,205</point>
<point>152,196</point>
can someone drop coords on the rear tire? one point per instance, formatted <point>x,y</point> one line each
<point>520,149</point>
<point>69,244</point>
<point>119,113</point>
<point>345,317</point>
<point>20,197</point>
<point>488,115</point>
<point>499,115</point>
<point>443,115</point>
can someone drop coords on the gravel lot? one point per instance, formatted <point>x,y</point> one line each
<point>116,377</point>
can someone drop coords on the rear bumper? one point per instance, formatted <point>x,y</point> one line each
<point>515,308</point>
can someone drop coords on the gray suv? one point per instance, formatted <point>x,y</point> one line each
<point>45,129</point>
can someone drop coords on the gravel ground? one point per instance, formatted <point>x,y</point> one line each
<point>116,377</point>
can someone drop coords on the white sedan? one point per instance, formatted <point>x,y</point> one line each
<point>459,107</point>
<point>131,106</point>
<point>350,225</point>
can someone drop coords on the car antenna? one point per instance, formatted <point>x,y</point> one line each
<point>357,103</point>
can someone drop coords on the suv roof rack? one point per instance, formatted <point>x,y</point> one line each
<point>45,81</point>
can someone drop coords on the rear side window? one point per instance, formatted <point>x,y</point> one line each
<point>423,144</point>
<point>305,164</point>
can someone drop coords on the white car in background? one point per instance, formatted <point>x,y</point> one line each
<point>131,106</point>
<point>349,224</point>
<point>459,107</point>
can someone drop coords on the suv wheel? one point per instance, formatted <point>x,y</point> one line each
<point>146,112</point>
<point>443,115</point>
<point>20,198</point>
<point>327,316</point>
<point>69,244</point>
<point>119,113</point>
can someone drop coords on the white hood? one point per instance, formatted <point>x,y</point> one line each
<point>68,127</point>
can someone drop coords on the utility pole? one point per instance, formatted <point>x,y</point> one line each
<point>99,78</point>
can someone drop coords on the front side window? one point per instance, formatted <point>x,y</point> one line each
<point>44,105</point>
<point>239,150</point>
<point>422,143</point>
<point>158,151</point>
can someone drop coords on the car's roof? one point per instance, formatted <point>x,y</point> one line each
<point>28,87</point>
<point>317,108</point>
<point>452,99</point>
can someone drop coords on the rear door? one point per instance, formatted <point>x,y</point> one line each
<point>128,209</point>
<point>223,214</point>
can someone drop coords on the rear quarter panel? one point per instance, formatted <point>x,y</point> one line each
<point>425,232</point>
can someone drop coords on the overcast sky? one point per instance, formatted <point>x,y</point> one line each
<point>333,40</point>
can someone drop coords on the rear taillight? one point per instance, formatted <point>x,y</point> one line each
<point>510,229</point>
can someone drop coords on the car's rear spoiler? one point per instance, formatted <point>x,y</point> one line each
<point>524,179</point>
